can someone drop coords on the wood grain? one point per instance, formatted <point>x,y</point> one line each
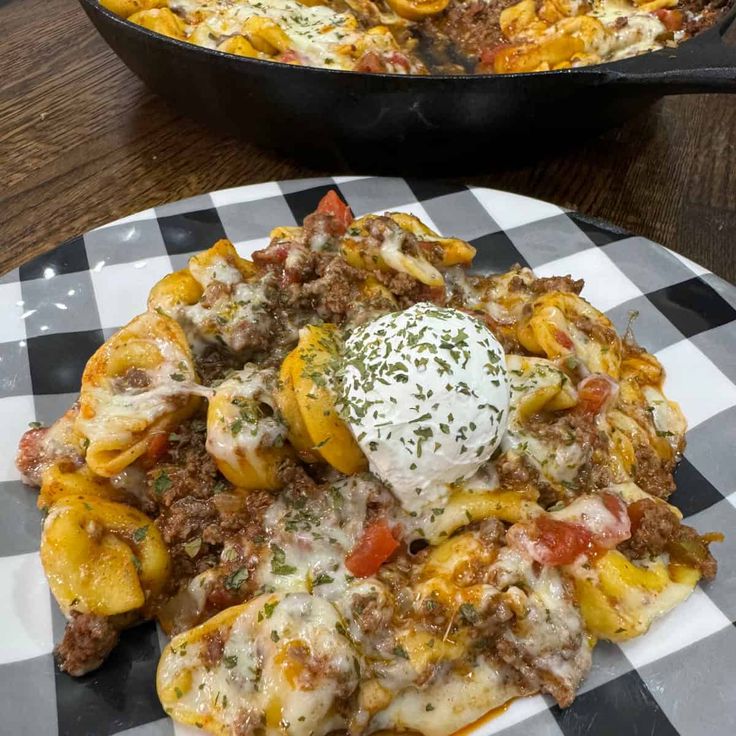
<point>83,142</point>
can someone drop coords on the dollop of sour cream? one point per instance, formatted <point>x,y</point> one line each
<point>425,393</point>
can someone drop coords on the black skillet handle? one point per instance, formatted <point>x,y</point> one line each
<point>707,63</point>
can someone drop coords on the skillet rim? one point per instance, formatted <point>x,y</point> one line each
<point>605,71</point>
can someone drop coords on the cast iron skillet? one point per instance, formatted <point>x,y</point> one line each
<point>385,123</point>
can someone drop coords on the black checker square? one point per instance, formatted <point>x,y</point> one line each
<point>694,492</point>
<point>189,232</point>
<point>69,257</point>
<point>303,202</point>
<point>27,697</point>
<point>496,253</point>
<point>57,361</point>
<point>623,706</point>
<point>600,232</point>
<point>693,306</point>
<point>426,189</point>
<point>118,696</point>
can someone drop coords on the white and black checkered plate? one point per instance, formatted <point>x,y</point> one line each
<point>57,309</point>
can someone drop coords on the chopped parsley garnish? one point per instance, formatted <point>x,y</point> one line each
<point>322,579</point>
<point>278,562</point>
<point>235,579</point>
<point>468,612</point>
<point>162,482</point>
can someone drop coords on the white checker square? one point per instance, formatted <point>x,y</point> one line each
<point>122,289</point>
<point>693,620</point>
<point>694,267</point>
<point>148,214</point>
<point>25,609</point>
<point>181,729</point>
<point>245,248</point>
<point>346,179</point>
<point>12,325</point>
<point>511,210</point>
<point>606,286</point>
<point>16,412</point>
<point>251,193</point>
<point>695,383</point>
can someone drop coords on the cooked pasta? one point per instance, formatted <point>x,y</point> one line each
<point>457,36</point>
<point>361,487</point>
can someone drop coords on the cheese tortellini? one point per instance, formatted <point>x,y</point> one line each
<point>133,388</point>
<point>102,557</point>
<point>244,437</point>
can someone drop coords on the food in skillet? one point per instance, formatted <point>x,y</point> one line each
<point>362,488</point>
<point>426,36</point>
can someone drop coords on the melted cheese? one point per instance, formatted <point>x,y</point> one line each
<point>316,34</point>
<point>239,429</point>
<point>530,378</point>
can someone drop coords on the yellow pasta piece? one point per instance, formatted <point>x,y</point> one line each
<point>126,8</point>
<point>329,435</point>
<point>120,423</point>
<point>522,20</point>
<point>102,557</point>
<point>57,483</point>
<point>425,650</point>
<point>555,328</point>
<point>160,20</point>
<point>417,9</point>
<point>454,251</point>
<point>619,600</point>
<point>464,507</point>
<point>174,290</point>
<point>240,46</point>
<point>290,412</point>
<point>216,262</point>
<point>236,425</point>
<point>389,256</point>
<point>174,683</point>
<point>266,35</point>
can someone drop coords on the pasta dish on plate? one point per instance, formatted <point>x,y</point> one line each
<point>361,487</point>
<point>427,36</point>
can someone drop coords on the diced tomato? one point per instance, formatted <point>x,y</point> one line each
<point>331,204</point>
<point>398,59</point>
<point>370,62</point>
<point>273,254</point>
<point>615,505</point>
<point>373,549</point>
<point>290,57</point>
<point>593,392</point>
<point>590,524</point>
<point>563,541</point>
<point>157,447</point>
<point>672,20</point>
<point>636,512</point>
<point>564,339</point>
<point>551,542</point>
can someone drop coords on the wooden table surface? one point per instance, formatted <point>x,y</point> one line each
<point>83,142</point>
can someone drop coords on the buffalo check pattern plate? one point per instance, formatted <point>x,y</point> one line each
<point>57,309</point>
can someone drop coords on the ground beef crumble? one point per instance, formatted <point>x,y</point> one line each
<point>655,530</point>
<point>88,639</point>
